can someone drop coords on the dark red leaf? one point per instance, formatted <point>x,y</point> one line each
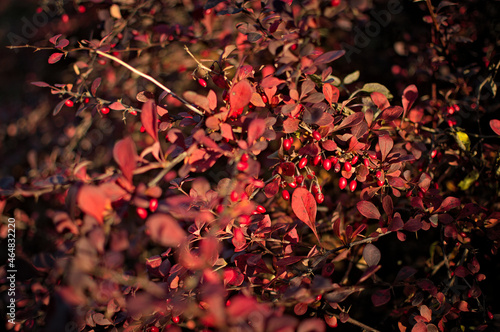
<point>148,119</point>
<point>305,208</point>
<point>54,39</point>
<point>351,120</point>
<point>495,126</point>
<point>386,143</point>
<point>461,272</point>
<point>448,204</point>
<point>240,95</point>
<point>312,325</point>
<point>368,210</point>
<point>272,188</point>
<point>328,57</point>
<point>291,125</point>
<point>255,130</point>
<point>387,205</point>
<point>95,85</point>
<point>270,82</point>
<point>300,308</point>
<point>125,155</point>
<point>413,225</point>
<point>371,255</point>
<point>405,273</point>
<point>62,43</point>
<point>59,106</point>
<point>391,113</point>
<point>381,297</point>
<point>41,84</point>
<point>55,57</point>
<point>289,260</point>
<point>165,230</point>
<point>410,94</point>
<point>397,223</point>
<point>238,240</point>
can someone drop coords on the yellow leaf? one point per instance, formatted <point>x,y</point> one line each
<point>463,140</point>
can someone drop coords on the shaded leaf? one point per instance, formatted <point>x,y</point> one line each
<point>448,204</point>
<point>165,230</point>
<point>391,113</point>
<point>95,85</point>
<point>148,119</point>
<point>255,130</point>
<point>381,297</point>
<point>419,327</point>
<point>290,125</point>
<point>372,87</point>
<point>305,208</point>
<point>351,120</point>
<point>410,94</point>
<point>238,240</point>
<point>328,57</point>
<point>59,106</point>
<point>331,93</point>
<point>386,143</point>
<point>93,201</point>
<point>312,325</point>
<point>41,84</point>
<point>371,255</point>
<point>368,210</point>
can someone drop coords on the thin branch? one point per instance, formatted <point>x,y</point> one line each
<point>167,169</point>
<point>358,323</point>
<point>198,62</point>
<point>151,79</point>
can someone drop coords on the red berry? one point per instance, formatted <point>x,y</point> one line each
<point>260,209</point>
<point>347,166</point>
<point>154,329</point>
<point>264,99</point>
<point>335,3</point>
<point>81,10</point>
<point>342,183</point>
<point>490,315</point>
<point>293,47</point>
<point>315,189</point>
<point>142,213</point>
<point>287,144</point>
<point>202,82</point>
<point>286,195</point>
<point>234,196</point>
<point>133,112</point>
<point>317,160</point>
<point>319,297</point>
<point>433,153</point>
<point>176,319</point>
<point>208,11</point>
<point>366,162</point>
<point>380,183</point>
<point>242,165</point>
<point>334,160</point>
<point>320,198</point>
<point>293,184</point>
<point>353,185</point>
<point>327,164</point>
<point>299,179</point>
<point>303,162</point>
<point>354,160</point>
<point>69,103</point>
<point>337,167</point>
<point>378,174</point>
<point>456,107</point>
<point>142,129</point>
<point>65,18</point>
<point>244,157</point>
<point>244,219</point>
<point>316,135</point>
<point>86,100</point>
<point>219,209</point>
<point>104,110</point>
<point>228,303</point>
<point>153,204</point>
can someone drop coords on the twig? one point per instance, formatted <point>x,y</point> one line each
<point>164,171</point>
<point>198,62</point>
<point>358,323</point>
<point>151,79</point>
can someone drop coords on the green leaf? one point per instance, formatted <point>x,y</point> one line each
<point>352,77</point>
<point>375,87</point>
<point>468,180</point>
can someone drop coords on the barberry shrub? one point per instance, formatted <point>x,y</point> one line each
<point>227,165</point>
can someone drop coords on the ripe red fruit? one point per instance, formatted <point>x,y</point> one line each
<point>202,82</point>
<point>490,315</point>
<point>320,199</point>
<point>293,47</point>
<point>264,99</point>
<point>433,153</point>
<point>334,160</point>
<point>69,103</point>
<point>81,10</point>
<point>286,195</point>
<point>335,3</point>
<point>366,162</point>
<point>65,18</point>
<point>287,144</point>
<point>234,196</point>
<point>342,183</point>
<point>327,164</point>
<point>315,189</point>
<point>317,160</point>
<point>154,329</point>
<point>378,174</point>
<point>242,165</point>
<point>354,160</point>
<point>293,184</point>
<point>316,135</point>
<point>319,297</point>
<point>244,157</point>
<point>347,166</point>
<point>104,110</point>
<point>303,162</point>
<point>353,185</point>
<point>260,209</point>
<point>153,204</point>
<point>176,319</point>
<point>133,112</point>
<point>87,100</point>
<point>380,183</point>
<point>142,213</point>
<point>299,179</point>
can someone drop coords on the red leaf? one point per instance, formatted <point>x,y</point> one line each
<point>410,94</point>
<point>381,297</point>
<point>387,204</point>
<point>386,143</point>
<point>238,240</point>
<point>461,272</point>
<point>368,210</point>
<point>257,100</point>
<point>125,155</point>
<point>371,254</point>
<point>95,85</point>
<point>448,204</point>
<point>148,119</point>
<point>419,327</point>
<point>241,306</point>
<point>41,84</point>
<point>55,57</point>
<point>351,120</point>
<point>255,130</point>
<point>424,181</point>
<point>397,223</point>
<point>391,113</point>
<point>305,208</point>
<point>59,106</point>
<point>291,125</point>
<point>426,312</point>
<point>300,308</point>
<point>93,201</point>
<point>312,325</point>
<point>54,39</point>
<point>380,100</point>
<point>413,225</point>
<point>165,230</point>
<point>289,260</point>
<point>240,95</point>
<point>212,100</point>
<point>329,57</point>
<point>62,43</point>
<point>495,126</point>
<point>331,93</point>
<point>270,82</point>
<point>116,106</point>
